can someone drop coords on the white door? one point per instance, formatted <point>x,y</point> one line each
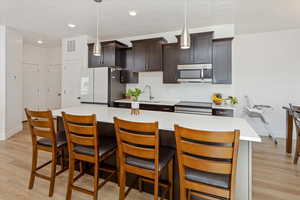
<point>31,91</point>
<point>71,84</point>
<point>54,86</point>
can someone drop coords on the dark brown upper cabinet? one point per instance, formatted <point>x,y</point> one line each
<point>200,51</point>
<point>222,61</point>
<point>170,62</point>
<point>127,74</point>
<point>147,54</point>
<point>110,55</point>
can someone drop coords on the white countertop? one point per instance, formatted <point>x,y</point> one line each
<point>167,119</point>
<point>154,102</point>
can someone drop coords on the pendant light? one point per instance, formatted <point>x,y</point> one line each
<point>185,39</point>
<point>97,46</point>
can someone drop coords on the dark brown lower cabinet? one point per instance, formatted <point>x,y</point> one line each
<point>223,112</point>
<point>164,108</point>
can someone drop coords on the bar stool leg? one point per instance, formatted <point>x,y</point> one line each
<point>70,181</point>
<point>189,195</point>
<point>62,158</point>
<point>122,184</point>
<point>170,177</point>
<point>33,166</point>
<point>182,192</point>
<point>156,186</point>
<point>140,184</point>
<point>297,150</point>
<point>53,173</point>
<point>96,181</point>
<point>118,166</point>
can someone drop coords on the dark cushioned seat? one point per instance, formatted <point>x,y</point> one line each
<point>218,180</point>
<point>165,155</point>
<point>106,145</point>
<point>46,142</point>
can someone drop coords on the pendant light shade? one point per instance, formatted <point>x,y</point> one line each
<point>185,39</point>
<point>97,49</point>
<point>97,46</point>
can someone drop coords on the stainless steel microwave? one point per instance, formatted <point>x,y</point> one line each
<point>201,73</point>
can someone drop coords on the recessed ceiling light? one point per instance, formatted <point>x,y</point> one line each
<point>40,42</point>
<point>132,13</point>
<point>71,25</point>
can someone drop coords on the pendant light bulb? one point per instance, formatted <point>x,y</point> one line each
<point>97,46</point>
<point>185,39</point>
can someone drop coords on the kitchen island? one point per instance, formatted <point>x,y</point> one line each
<point>166,125</point>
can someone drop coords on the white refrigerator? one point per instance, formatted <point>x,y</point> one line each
<point>101,86</point>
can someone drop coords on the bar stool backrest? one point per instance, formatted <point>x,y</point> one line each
<point>81,130</point>
<point>41,125</point>
<point>296,115</point>
<point>137,139</point>
<point>208,152</point>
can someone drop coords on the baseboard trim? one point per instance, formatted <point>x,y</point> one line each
<point>13,131</point>
<point>2,137</point>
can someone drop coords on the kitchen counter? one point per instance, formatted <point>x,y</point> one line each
<point>153,102</point>
<point>166,121</point>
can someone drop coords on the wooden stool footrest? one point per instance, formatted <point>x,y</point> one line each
<point>44,165</point>
<point>82,190</point>
<point>202,196</point>
<point>61,171</point>
<point>42,176</point>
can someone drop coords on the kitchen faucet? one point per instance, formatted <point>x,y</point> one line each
<point>150,93</point>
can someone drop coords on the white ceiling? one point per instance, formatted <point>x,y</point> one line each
<point>47,19</point>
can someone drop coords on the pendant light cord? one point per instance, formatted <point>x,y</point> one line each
<point>98,21</point>
<point>186,13</point>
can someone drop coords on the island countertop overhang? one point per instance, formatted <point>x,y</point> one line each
<point>167,120</point>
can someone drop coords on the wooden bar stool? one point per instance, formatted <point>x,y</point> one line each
<point>84,146</point>
<point>207,163</point>
<point>296,116</point>
<point>44,138</point>
<point>140,154</point>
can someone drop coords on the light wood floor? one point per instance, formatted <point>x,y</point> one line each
<point>274,175</point>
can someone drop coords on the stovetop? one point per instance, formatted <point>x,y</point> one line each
<point>194,104</point>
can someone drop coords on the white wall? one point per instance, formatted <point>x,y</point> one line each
<point>14,58</point>
<point>267,68</point>
<point>2,80</point>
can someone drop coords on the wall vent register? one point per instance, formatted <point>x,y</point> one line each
<point>71,45</point>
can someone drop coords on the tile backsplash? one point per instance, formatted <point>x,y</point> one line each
<point>182,91</point>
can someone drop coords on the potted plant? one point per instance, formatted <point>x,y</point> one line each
<point>233,100</point>
<point>134,96</point>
